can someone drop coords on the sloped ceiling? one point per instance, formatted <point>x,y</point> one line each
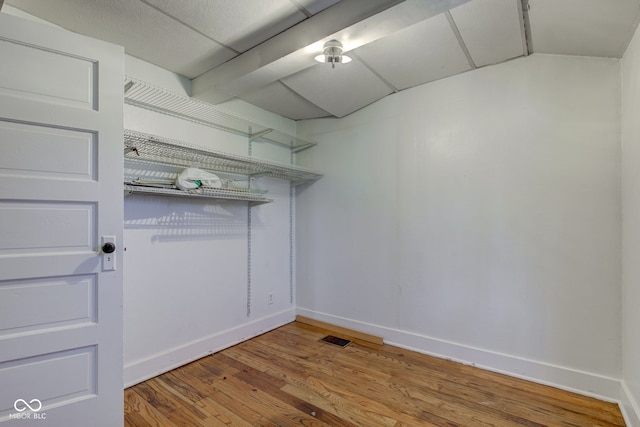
<point>262,51</point>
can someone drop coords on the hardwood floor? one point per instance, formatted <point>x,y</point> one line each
<point>288,378</point>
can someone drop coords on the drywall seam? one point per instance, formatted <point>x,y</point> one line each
<point>160,363</point>
<point>565,378</point>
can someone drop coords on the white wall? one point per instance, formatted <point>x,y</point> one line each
<point>631,226</point>
<point>476,217</point>
<point>185,272</point>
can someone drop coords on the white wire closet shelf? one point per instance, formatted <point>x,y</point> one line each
<point>150,97</point>
<point>202,193</point>
<point>143,147</point>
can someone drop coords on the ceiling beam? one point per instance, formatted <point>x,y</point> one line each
<point>352,22</point>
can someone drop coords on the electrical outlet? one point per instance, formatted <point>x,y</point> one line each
<point>270,298</point>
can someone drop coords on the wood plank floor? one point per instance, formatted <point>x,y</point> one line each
<point>288,378</point>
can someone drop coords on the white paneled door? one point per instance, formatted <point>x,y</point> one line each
<point>60,196</point>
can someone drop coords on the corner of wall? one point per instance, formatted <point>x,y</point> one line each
<point>628,406</point>
<point>142,370</point>
<point>630,195</point>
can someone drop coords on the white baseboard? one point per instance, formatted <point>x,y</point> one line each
<point>629,406</point>
<point>142,370</point>
<point>585,383</point>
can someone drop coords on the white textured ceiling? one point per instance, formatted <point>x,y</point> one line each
<point>423,52</point>
<point>583,27</point>
<point>262,51</point>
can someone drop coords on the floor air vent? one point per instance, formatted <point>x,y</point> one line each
<point>336,341</point>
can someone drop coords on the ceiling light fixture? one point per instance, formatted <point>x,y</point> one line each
<point>332,52</point>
